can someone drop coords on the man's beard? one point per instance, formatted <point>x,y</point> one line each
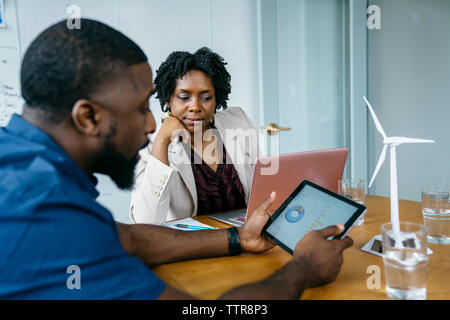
<point>116,166</point>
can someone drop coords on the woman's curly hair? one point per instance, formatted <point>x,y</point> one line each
<point>178,63</point>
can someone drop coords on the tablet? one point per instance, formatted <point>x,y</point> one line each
<point>310,207</point>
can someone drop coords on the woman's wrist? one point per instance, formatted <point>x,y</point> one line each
<point>162,138</point>
<point>160,148</point>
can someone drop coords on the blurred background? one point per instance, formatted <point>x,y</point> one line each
<point>301,64</point>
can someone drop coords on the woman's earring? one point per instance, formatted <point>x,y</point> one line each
<point>213,122</point>
<point>166,110</point>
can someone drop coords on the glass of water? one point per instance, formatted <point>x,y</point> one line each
<point>436,214</point>
<point>354,189</point>
<point>405,260</point>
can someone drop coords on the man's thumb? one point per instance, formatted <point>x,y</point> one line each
<point>266,203</point>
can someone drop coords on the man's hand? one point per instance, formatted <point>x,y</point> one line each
<point>250,233</point>
<point>316,261</point>
<point>324,257</point>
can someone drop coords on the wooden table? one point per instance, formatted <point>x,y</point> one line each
<point>210,278</point>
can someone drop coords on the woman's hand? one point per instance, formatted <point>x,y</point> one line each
<point>172,128</point>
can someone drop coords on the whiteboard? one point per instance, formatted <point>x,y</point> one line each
<point>10,55</point>
<point>10,98</point>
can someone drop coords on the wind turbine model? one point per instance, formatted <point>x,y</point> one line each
<point>392,143</point>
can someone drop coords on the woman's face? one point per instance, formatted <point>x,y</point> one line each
<point>194,100</point>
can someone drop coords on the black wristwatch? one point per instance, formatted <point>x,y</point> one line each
<point>234,243</point>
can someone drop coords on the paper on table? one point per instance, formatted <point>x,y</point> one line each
<point>368,247</point>
<point>188,221</point>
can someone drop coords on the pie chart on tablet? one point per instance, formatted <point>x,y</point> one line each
<point>295,213</point>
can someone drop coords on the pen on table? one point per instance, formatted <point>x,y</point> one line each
<point>186,226</point>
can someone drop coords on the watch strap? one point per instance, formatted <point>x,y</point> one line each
<point>234,243</point>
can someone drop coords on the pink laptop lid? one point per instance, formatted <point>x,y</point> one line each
<point>283,173</point>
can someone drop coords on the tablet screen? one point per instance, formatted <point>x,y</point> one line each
<point>309,209</point>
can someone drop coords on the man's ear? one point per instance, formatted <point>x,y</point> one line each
<point>86,117</point>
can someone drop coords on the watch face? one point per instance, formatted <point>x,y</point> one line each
<point>295,213</point>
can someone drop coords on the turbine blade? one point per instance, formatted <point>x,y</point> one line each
<point>380,162</point>
<point>413,140</point>
<point>375,119</point>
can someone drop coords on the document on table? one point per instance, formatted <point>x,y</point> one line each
<point>374,246</point>
<point>186,221</point>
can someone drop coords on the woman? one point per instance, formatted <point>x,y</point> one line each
<point>201,159</point>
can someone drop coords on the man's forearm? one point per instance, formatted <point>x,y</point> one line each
<point>287,283</point>
<point>156,245</point>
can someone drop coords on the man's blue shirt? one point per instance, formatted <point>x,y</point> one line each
<point>56,241</point>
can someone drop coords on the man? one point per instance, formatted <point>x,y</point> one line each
<point>87,110</point>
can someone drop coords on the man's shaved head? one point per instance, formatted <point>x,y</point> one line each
<point>62,66</point>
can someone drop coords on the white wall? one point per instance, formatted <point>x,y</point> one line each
<point>160,27</point>
<point>409,87</point>
<point>409,68</point>
<point>311,73</point>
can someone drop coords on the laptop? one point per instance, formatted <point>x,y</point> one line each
<point>283,173</point>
